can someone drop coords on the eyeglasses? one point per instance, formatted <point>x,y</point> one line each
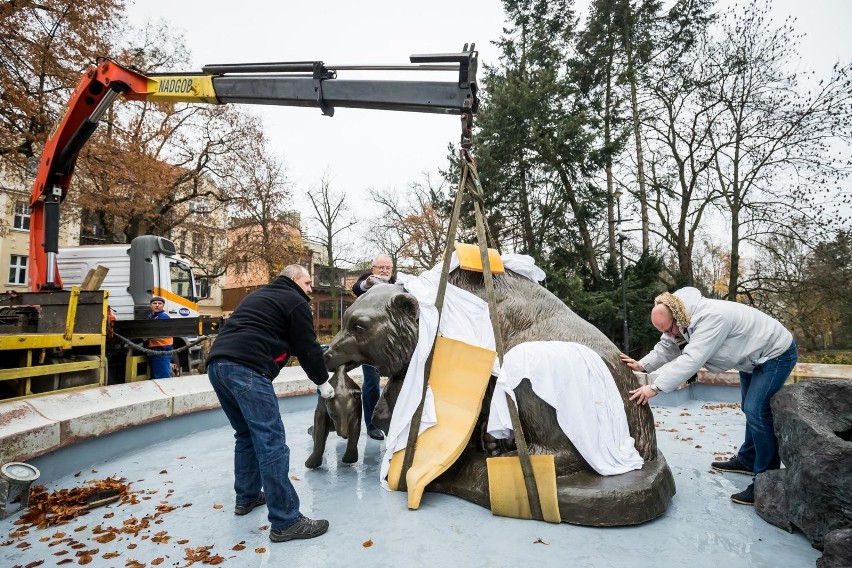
<point>383,267</point>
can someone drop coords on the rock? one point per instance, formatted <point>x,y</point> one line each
<point>838,549</point>
<point>813,423</point>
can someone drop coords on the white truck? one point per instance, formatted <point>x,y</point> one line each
<point>148,266</point>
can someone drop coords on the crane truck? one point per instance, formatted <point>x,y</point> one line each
<point>55,338</point>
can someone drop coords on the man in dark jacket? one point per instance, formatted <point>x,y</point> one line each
<point>380,273</point>
<point>269,324</point>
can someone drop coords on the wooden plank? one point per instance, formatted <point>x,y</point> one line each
<point>94,278</point>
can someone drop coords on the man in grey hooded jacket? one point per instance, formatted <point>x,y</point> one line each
<point>720,335</point>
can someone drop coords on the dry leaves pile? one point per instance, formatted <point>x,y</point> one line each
<point>721,405</point>
<point>64,505</point>
<point>49,509</point>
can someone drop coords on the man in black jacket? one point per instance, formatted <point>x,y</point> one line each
<point>268,325</point>
<point>380,273</point>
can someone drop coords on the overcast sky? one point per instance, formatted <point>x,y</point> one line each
<point>382,149</point>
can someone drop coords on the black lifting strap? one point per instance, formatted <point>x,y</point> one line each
<point>470,182</point>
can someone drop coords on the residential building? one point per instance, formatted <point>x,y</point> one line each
<point>15,192</point>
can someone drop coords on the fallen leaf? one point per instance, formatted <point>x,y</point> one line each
<point>109,555</point>
<point>105,538</point>
<point>81,528</point>
<point>64,561</point>
<point>109,515</point>
<point>164,471</point>
<point>260,550</point>
<point>367,543</point>
<point>85,559</point>
<point>157,561</point>
<point>34,564</point>
<point>78,474</point>
<point>238,547</point>
<point>182,541</point>
<point>181,457</point>
<point>132,545</point>
<point>539,541</point>
<point>294,478</point>
<point>218,506</point>
<point>698,446</point>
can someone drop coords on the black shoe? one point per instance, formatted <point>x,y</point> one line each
<point>744,497</point>
<point>303,528</point>
<point>733,465</point>
<point>375,433</point>
<point>249,507</point>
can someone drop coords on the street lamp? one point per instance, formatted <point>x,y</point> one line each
<point>621,239</point>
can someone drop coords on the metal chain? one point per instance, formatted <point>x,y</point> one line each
<point>151,352</point>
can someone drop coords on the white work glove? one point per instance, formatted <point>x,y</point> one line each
<point>326,390</point>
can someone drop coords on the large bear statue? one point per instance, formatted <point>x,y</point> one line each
<point>381,329</point>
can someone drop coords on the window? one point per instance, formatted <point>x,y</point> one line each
<point>22,216</point>
<point>183,242</point>
<point>201,206</point>
<point>197,244</point>
<point>325,310</point>
<point>181,278</point>
<point>18,268</point>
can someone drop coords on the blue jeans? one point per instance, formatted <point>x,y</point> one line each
<point>261,455</point>
<point>759,452</point>
<point>369,392</point>
<point>160,365</point>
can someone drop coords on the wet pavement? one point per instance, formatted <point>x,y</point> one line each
<point>184,509</point>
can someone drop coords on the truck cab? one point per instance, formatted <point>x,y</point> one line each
<point>148,266</point>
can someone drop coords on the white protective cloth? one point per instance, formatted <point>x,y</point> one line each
<point>574,380</point>
<point>465,318</point>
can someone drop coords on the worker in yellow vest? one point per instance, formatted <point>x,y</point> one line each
<point>160,365</point>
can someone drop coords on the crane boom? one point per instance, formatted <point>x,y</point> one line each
<point>305,84</point>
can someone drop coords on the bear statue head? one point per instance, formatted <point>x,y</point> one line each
<point>379,329</point>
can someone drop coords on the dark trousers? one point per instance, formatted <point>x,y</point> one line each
<point>261,454</point>
<point>760,448</point>
<point>370,392</point>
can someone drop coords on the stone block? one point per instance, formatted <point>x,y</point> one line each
<point>189,394</point>
<point>92,412</point>
<point>24,433</point>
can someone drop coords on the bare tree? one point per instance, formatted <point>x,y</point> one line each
<point>412,231</point>
<point>331,216</point>
<point>774,149</point>
<point>265,232</point>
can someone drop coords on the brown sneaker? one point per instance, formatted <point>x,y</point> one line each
<point>303,528</point>
<point>249,507</point>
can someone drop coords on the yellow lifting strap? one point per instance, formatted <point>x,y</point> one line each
<point>470,182</point>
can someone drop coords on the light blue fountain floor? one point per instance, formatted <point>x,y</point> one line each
<point>173,466</point>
